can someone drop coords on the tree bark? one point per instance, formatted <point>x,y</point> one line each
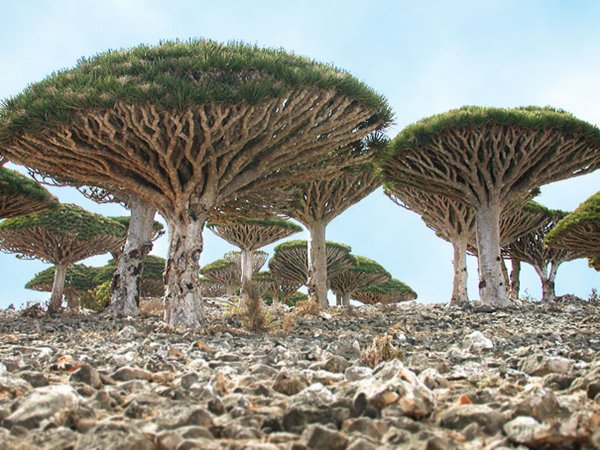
<point>505,275</point>
<point>515,278</point>
<point>548,283</point>
<point>125,290</point>
<point>338,299</point>
<point>58,287</point>
<point>345,299</point>
<point>492,290</point>
<point>317,264</point>
<point>246,262</point>
<point>459,288</point>
<point>183,299</point>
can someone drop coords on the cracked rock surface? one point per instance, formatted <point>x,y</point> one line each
<point>449,378</point>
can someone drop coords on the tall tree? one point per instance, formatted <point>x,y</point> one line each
<point>252,234</point>
<point>391,291</point>
<point>488,159</point>
<point>315,204</point>
<point>275,288</point>
<point>454,221</point>
<point>151,283</point>
<point>185,127</point>
<point>531,249</point>
<point>365,273</point>
<point>20,195</point>
<point>61,236</point>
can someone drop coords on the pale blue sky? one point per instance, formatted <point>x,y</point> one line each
<point>425,57</point>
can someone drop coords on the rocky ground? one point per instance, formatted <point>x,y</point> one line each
<point>406,377</point>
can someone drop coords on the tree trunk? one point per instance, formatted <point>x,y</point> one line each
<point>183,299</point>
<point>505,275</point>
<point>459,288</point>
<point>492,290</point>
<point>548,288</point>
<point>345,299</point>
<point>246,263</point>
<point>338,299</point>
<point>317,264</point>
<point>58,287</point>
<point>125,290</point>
<point>515,278</point>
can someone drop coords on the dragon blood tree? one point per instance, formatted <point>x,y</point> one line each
<point>580,230</point>
<point>531,249</point>
<point>211,288</point>
<point>391,291</point>
<point>61,236</point>
<point>454,221</point>
<point>227,271</point>
<point>20,195</point>
<point>186,126</point>
<point>315,204</point>
<point>78,280</point>
<point>250,235</point>
<point>151,282</point>
<point>490,158</point>
<point>365,273</point>
<point>290,261</point>
<point>274,288</point>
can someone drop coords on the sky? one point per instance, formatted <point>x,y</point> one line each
<point>426,57</point>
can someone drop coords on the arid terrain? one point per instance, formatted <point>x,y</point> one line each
<point>410,376</point>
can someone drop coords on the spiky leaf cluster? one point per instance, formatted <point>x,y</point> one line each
<point>228,270</point>
<point>392,291</point>
<point>176,75</point>
<point>21,195</point>
<point>580,230</point>
<point>157,227</point>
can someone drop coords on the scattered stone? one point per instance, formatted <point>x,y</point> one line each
<point>289,382</point>
<point>320,437</point>
<point>131,373</point>
<point>458,417</point>
<point>540,365</point>
<point>88,375</point>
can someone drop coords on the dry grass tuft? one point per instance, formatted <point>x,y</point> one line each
<point>252,314</point>
<point>380,350</point>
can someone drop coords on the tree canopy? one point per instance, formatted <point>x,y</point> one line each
<point>580,230</point>
<point>365,273</point>
<point>252,234</point>
<point>21,195</point>
<point>392,291</point>
<point>79,278</point>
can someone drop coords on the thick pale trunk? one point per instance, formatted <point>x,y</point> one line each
<point>492,289</point>
<point>515,278</point>
<point>125,290</point>
<point>183,300</point>
<point>547,279</point>
<point>317,264</point>
<point>459,287</point>
<point>338,299</point>
<point>505,275</point>
<point>345,299</point>
<point>246,262</point>
<point>58,287</point>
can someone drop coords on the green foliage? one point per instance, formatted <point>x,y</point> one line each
<point>218,264</point>
<point>529,117</point>
<point>288,245</point>
<point>586,212</point>
<point>295,298</point>
<point>367,265</point>
<point>392,287</point>
<point>270,222</point>
<point>124,220</point>
<point>14,183</point>
<point>153,269</point>
<point>177,75</point>
<point>68,220</point>
<point>97,299</point>
<point>79,277</point>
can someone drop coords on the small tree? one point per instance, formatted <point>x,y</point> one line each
<point>151,283</point>
<point>290,260</point>
<point>315,204</point>
<point>274,288</point>
<point>252,234</point>
<point>61,236</point>
<point>489,159</point>
<point>365,273</point>
<point>79,279</point>
<point>580,230</point>
<point>20,195</point>
<point>392,291</point>
<point>531,249</point>
<point>228,270</point>
<point>187,126</point>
